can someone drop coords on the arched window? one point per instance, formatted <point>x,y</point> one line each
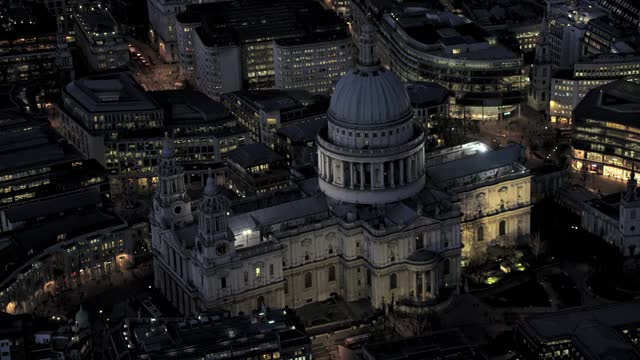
<point>332,273</point>
<point>502,228</point>
<point>447,267</point>
<point>480,234</point>
<point>308,281</point>
<point>393,281</point>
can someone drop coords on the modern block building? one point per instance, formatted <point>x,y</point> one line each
<point>366,228</point>
<point>569,87</point>
<point>604,138</point>
<point>312,63</point>
<point>256,169</point>
<point>229,46</point>
<point>486,79</point>
<point>37,166</point>
<point>110,118</point>
<point>99,38</point>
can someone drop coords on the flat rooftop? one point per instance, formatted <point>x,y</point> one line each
<point>596,331</point>
<point>251,155</point>
<point>617,102</point>
<point>109,93</point>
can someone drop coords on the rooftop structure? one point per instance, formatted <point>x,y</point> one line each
<point>437,345</point>
<point>269,334</point>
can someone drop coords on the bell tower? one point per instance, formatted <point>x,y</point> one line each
<point>172,205</point>
<point>213,235</point>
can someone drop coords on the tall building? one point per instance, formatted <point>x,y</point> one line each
<point>487,80</point>
<point>99,38</point>
<point>366,228</point>
<point>110,118</point>
<point>604,128</point>
<point>596,332</point>
<point>312,63</point>
<point>229,46</point>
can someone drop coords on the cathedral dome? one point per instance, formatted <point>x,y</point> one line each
<point>370,96</point>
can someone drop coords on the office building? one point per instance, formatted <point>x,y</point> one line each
<point>430,103</point>
<point>604,128</point>
<point>33,50</point>
<point>112,119</point>
<point>570,86</point>
<point>37,166</point>
<point>444,344</point>
<point>313,63</point>
<point>230,45</point>
<point>487,80</point>
<point>99,38</point>
<point>625,11</point>
<point>596,332</point>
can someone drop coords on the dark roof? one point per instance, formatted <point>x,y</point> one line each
<point>426,94</point>
<point>617,102</point>
<point>445,344</point>
<point>188,106</point>
<point>239,21</point>
<point>252,155</point>
<point>303,131</point>
<point>46,207</point>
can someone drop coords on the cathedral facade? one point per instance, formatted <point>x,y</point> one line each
<point>367,227</point>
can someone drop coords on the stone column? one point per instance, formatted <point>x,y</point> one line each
<point>361,176</point>
<point>392,166</point>
<point>330,170</point>
<point>352,175</point>
<point>372,175</point>
<point>401,171</point>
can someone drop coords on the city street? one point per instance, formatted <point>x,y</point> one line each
<point>325,347</point>
<point>157,76</point>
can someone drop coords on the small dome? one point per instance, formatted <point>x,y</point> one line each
<point>370,96</point>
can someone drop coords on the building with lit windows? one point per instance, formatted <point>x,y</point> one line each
<point>58,254</point>
<point>32,51</point>
<point>314,63</point>
<point>263,112</point>
<point>112,119</point>
<point>596,332</point>
<point>486,79</point>
<point>624,11</point>
<point>430,102</point>
<point>605,133</point>
<point>256,169</point>
<point>38,167</point>
<point>99,38</point>
<point>230,45</point>
<point>366,228</point>
<point>569,87</point>
<point>494,194</point>
<point>271,334</point>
